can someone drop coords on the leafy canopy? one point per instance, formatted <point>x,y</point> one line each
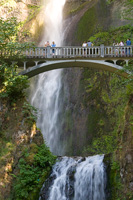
<point>11,49</point>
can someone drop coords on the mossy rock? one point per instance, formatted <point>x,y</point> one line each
<point>33,148</point>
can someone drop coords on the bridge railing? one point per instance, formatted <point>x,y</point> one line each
<point>76,51</point>
<point>73,51</point>
<point>118,51</point>
<point>62,52</point>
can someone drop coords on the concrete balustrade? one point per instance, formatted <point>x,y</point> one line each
<point>71,52</point>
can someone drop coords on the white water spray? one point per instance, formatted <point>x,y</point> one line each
<point>53,21</point>
<point>77,179</point>
<point>46,87</point>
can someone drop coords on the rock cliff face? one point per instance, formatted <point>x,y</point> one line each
<point>27,11</point>
<point>18,9</point>
<point>84,18</point>
<point>16,135</point>
<point>125,153</point>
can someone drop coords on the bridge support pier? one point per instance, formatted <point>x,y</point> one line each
<point>36,63</point>
<point>126,62</point>
<point>25,65</point>
<point>114,62</point>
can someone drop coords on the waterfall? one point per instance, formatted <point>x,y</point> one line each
<point>47,99</point>
<point>71,178</point>
<point>46,87</point>
<point>76,179</point>
<point>53,22</point>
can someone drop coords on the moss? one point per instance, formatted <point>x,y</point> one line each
<point>68,120</point>
<point>86,26</point>
<point>77,9</point>
<point>71,8</point>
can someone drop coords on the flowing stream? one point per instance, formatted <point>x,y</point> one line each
<point>71,178</point>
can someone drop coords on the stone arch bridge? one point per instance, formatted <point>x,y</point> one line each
<point>108,58</point>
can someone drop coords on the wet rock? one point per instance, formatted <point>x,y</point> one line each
<point>44,194</point>
<point>69,188</point>
<point>81,160</point>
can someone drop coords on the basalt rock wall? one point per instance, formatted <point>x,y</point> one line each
<point>85,18</point>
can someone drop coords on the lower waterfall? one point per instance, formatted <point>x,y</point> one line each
<point>76,179</point>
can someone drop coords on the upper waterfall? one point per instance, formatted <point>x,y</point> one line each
<point>46,88</point>
<point>53,22</point>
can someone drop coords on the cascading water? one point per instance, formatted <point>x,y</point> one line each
<point>76,179</point>
<point>53,23</point>
<point>71,178</point>
<point>47,86</point>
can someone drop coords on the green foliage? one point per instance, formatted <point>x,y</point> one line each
<point>13,86</point>
<point>10,46</point>
<point>115,178</point>
<point>128,69</point>
<point>9,39</point>
<point>107,95</point>
<point>113,35</point>
<point>30,113</point>
<point>29,178</point>
<point>105,144</point>
<point>115,183</point>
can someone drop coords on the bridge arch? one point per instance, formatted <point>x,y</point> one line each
<point>109,61</point>
<point>58,64</point>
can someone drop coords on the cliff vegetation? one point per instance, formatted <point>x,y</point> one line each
<point>25,160</point>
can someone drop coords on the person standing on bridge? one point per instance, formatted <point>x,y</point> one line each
<point>53,45</point>
<point>128,43</point>
<point>47,44</point>
<point>84,45</point>
<point>89,43</point>
<point>122,49</point>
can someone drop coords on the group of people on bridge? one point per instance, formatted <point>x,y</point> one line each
<point>121,44</point>
<point>52,45</point>
<point>118,49</point>
<point>87,44</point>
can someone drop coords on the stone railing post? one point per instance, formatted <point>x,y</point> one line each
<point>48,51</point>
<point>102,50</point>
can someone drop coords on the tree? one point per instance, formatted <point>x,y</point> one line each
<point>11,49</point>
